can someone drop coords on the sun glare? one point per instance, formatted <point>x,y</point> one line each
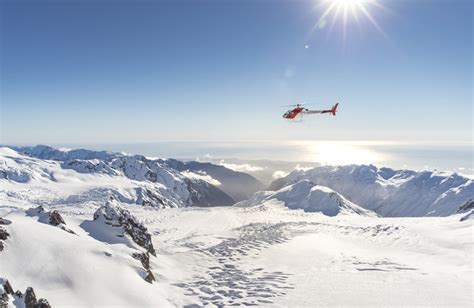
<point>346,10</point>
<point>340,153</point>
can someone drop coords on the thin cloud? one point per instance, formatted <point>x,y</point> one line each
<point>241,167</point>
<point>279,174</point>
<point>201,176</point>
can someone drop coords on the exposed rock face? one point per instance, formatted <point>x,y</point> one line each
<point>147,197</point>
<point>42,303</point>
<point>112,214</point>
<point>52,218</point>
<point>116,216</point>
<point>145,260</point>
<point>27,300</point>
<point>55,218</point>
<point>468,208</point>
<point>469,205</point>
<point>30,298</point>
<point>3,236</point>
<point>206,195</point>
<point>3,232</point>
<point>4,221</point>
<point>89,166</point>
<point>238,185</point>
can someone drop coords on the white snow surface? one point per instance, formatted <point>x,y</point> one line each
<point>309,197</point>
<point>278,249</point>
<point>131,179</point>
<point>389,192</point>
<point>266,255</point>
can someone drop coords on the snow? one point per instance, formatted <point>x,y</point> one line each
<point>129,178</point>
<point>389,192</point>
<point>309,197</point>
<point>305,245</point>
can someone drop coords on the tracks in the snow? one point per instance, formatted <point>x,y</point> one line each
<point>231,277</point>
<point>229,282</point>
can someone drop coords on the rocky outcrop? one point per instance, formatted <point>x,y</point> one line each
<point>3,236</point>
<point>27,300</point>
<point>52,218</point>
<point>4,221</point>
<point>89,166</point>
<point>55,218</point>
<point>144,258</point>
<point>114,215</point>
<point>468,208</point>
<point>147,197</point>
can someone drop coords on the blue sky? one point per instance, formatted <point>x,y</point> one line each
<point>147,71</point>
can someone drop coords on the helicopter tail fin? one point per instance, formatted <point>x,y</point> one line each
<point>334,109</point>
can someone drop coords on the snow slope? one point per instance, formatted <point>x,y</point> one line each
<point>309,197</point>
<point>239,185</point>
<point>304,245</point>
<point>389,192</point>
<point>261,255</point>
<point>95,175</point>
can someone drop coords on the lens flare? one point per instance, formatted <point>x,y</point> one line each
<point>349,9</point>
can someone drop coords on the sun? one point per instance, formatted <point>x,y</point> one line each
<point>349,10</point>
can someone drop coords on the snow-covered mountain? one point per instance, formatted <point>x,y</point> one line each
<point>239,185</point>
<point>78,174</point>
<point>391,192</point>
<point>71,234</point>
<point>309,197</point>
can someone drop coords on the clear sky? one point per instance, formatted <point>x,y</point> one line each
<point>146,71</point>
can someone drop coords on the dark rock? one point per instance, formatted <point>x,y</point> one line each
<point>144,259</point>
<point>3,234</point>
<point>207,195</point>
<point>149,277</point>
<point>30,298</point>
<point>147,197</point>
<point>116,216</point>
<point>151,176</point>
<point>27,300</point>
<point>469,205</point>
<point>42,303</point>
<point>4,221</point>
<point>55,218</point>
<point>4,300</point>
<point>52,218</point>
<point>7,287</point>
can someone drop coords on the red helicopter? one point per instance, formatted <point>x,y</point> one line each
<point>299,110</point>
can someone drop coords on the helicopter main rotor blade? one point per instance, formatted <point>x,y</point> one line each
<point>294,105</point>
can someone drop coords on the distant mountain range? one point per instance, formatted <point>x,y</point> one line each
<point>155,182</point>
<point>388,192</point>
<point>161,183</point>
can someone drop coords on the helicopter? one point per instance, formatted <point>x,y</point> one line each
<point>300,110</point>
